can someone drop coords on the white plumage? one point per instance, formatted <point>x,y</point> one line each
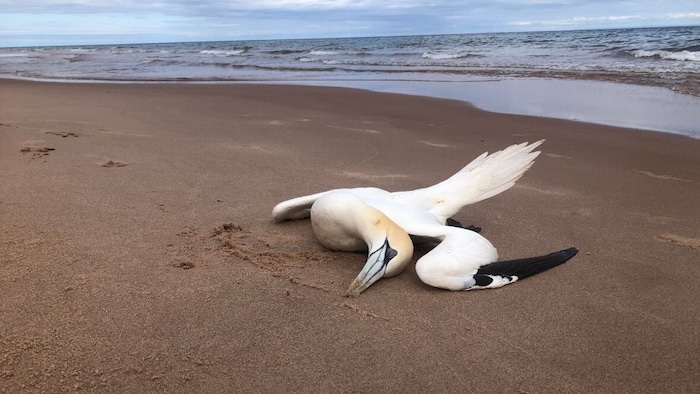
<point>380,221</point>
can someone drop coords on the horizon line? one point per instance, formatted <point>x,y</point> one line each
<point>343,37</point>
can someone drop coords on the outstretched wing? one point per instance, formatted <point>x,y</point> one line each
<point>465,260</point>
<point>486,176</point>
<point>491,274</point>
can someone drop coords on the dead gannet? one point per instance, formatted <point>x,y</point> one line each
<point>382,222</point>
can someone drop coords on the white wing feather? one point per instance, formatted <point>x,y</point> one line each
<point>486,176</point>
<point>296,208</point>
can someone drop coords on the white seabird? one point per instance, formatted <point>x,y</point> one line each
<point>382,222</point>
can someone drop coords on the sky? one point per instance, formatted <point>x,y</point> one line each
<point>76,22</point>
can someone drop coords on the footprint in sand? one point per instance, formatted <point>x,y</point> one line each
<point>666,177</point>
<point>37,152</point>
<point>113,163</point>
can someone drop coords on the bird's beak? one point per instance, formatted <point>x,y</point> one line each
<point>374,269</point>
<point>372,272</point>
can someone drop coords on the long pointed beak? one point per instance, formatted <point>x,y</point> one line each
<point>372,271</point>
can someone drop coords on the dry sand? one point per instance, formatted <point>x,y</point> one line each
<point>137,252</point>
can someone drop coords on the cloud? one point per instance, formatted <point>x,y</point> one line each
<point>688,15</point>
<point>193,6</point>
<point>648,19</point>
<point>578,20</point>
<point>185,20</point>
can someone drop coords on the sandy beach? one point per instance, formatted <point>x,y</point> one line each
<point>138,253</point>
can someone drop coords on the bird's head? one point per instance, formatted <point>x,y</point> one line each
<point>390,250</point>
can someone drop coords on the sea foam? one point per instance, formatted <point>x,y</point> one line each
<point>222,53</point>
<point>445,55</point>
<point>322,53</point>
<point>668,55</point>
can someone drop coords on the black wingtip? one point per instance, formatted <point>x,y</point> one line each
<point>522,268</point>
<point>569,253</point>
<point>565,254</point>
<point>456,223</point>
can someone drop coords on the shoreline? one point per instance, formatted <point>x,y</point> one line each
<point>617,104</point>
<point>598,102</point>
<point>137,250</point>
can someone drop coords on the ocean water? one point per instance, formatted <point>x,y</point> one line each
<point>655,57</point>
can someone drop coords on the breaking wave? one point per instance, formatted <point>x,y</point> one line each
<point>222,53</point>
<point>668,55</point>
<point>434,55</point>
<point>322,53</point>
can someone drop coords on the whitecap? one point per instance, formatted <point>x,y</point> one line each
<point>444,55</point>
<point>222,53</point>
<point>684,55</point>
<point>668,55</point>
<point>322,53</point>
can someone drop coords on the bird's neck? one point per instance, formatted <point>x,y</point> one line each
<point>375,228</point>
<point>400,241</point>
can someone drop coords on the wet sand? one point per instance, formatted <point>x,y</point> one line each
<point>137,251</point>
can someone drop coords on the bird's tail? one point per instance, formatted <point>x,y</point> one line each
<point>512,270</point>
<point>486,176</point>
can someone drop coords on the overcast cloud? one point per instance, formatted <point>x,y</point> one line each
<point>70,22</point>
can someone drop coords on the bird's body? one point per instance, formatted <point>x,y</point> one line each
<point>380,222</point>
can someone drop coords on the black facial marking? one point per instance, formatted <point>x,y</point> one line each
<point>372,254</point>
<point>388,255</point>
<point>390,252</point>
<point>375,274</point>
